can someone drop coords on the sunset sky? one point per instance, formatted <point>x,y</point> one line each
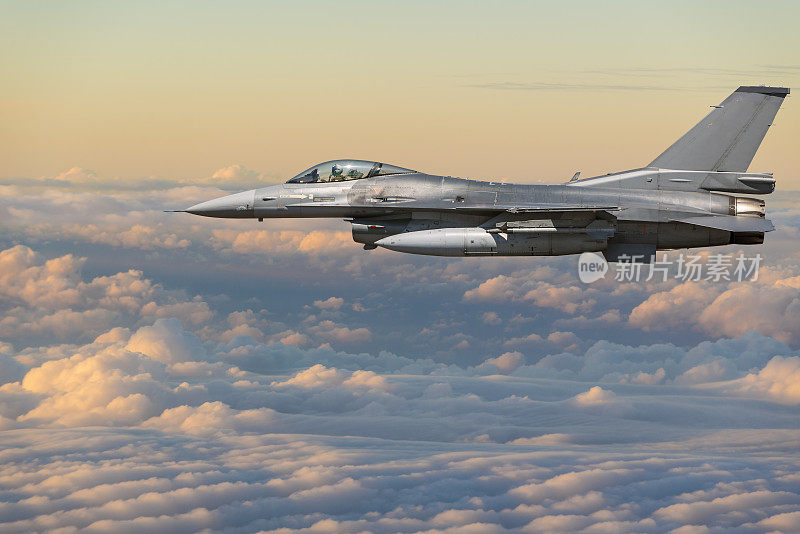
<point>521,90</point>
<point>163,372</point>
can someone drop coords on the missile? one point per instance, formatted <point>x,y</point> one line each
<point>442,242</point>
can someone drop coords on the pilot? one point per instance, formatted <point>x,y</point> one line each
<point>336,173</point>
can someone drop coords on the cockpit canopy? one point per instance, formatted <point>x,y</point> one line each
<point>341,170</point>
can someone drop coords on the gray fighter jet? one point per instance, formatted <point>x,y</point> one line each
<point>677,201</point>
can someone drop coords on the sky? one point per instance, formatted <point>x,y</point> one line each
<point>170,373</point>
<point>530,91</point>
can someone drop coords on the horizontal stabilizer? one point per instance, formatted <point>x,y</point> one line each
<point>730,223</point>
<point>683,180</point>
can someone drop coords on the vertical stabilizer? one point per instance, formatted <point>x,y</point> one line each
<point>728,137</point>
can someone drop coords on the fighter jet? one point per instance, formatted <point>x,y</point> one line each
<point>686,197</point>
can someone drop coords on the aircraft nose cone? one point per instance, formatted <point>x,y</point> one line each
<point>238,205</point>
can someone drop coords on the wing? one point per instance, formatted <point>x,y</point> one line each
<point>601,211</point>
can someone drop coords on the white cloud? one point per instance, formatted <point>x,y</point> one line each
<point>77,175</point>
<point>677,306</point>
<point>495,289</point>
<point>284,242</point>
<point>751,504</point>
<point>596,396</point>
<point>166,342</point>
<point>770,305</point>
<point>331,303</point>
<point>546,440</point>
<point>778,381</point>
<point>782,522</point>
<point>319,376</point>
<point>571,299</point>
<point>141,236</point>
<point>770,308</point>
<point>48,298</point>
<point>108,387</point>
<point>241,478</point>
<point>575,483</point>
<point>296,339</point>
<point>332,331</point>
<point>506,362</point>
<point>128,406</point>
<point>244,323</point>
<point>211,418</point>
<point>491,318</point>
<point>653,378</point>
<point>235,174</point>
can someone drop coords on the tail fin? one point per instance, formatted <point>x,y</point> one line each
<point>728,137</point>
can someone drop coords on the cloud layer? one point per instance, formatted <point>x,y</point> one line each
<point>181,374</point>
